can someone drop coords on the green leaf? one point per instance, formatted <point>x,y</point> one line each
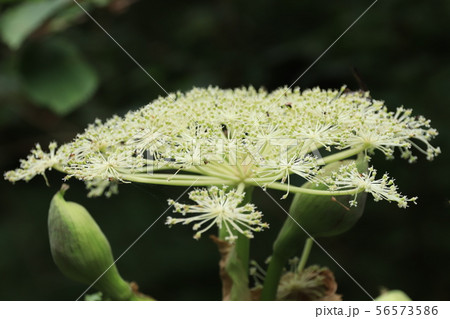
<point>67,17</point>
<point>17,23</point>
<point>73,14</point>
<point>55,75</point>
<point>101,3</point>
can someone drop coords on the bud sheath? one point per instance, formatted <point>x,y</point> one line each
<point>80,249</point>
<point>315,216</point>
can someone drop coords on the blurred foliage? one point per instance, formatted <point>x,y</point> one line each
<point>59,71</point>
<point>19,21</point>
<point>41,70</point>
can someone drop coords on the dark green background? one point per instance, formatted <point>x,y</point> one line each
<point>401,50</point>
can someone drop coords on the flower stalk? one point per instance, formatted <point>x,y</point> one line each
<point>242,244</point>
<point>305,254</point>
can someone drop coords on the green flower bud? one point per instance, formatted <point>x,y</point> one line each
<point>393,295</point>
<point>80,249</point>
<point>320,216</point>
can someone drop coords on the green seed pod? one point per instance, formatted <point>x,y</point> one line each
<point>80,249</point>
<point>320,216</point>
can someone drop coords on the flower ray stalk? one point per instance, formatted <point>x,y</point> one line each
<point>305,254</point>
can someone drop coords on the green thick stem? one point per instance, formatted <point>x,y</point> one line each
<point>238,264</point>
<point>275,271</point>
<point>243,251</point>
<point>272,279</point>
<point>141,297</point>
<point>305,254</point>
<point>112,285</point>
<point>243,242</point>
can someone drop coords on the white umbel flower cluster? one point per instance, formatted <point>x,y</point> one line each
<point>214,137</point>
<point>219,207</point>
<point>347,177</point>
<point>37,163</point>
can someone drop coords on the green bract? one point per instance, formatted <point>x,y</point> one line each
<point>393,295</point>
<point>319,216</point>
<point>80,249</point>
<point>313,216</point>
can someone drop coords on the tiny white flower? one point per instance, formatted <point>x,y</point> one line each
<point>218,207</point>
<point>305,167</point>
<point>36,163</point>
<point>102,166</point>
<point>348,177</point>
<point>98,187</point>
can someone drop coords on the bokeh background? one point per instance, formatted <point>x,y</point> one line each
<point>59,71</point>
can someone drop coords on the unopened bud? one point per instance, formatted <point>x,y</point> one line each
<point>318,216</point>
<point>393,295</point>
<point>80,249</point>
